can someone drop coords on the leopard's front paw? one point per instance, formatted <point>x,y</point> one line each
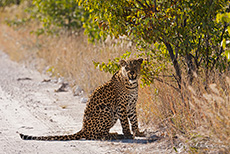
<point>140,134</point>
<point>128,136</point>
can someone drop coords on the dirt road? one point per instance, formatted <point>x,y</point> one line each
<point>31,106</point>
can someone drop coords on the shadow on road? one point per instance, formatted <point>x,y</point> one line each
<point>139,140</point>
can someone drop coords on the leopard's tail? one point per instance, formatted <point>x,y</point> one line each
<point>75,136</point>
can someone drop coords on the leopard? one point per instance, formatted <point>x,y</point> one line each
<point>116,99</point>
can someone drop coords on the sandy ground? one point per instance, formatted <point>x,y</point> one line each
<point>31,106</point>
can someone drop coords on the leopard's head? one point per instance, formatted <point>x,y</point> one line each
<point>130,70</point>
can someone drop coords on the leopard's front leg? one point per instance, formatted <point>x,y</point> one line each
<point>123,116</point>
<point>134,122</point>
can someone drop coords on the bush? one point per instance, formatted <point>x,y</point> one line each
<point>186,31</point>
<point>4,3</point>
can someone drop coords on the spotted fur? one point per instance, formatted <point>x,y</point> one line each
<point>114,100</point>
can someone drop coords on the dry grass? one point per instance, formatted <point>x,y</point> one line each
<point>17,42</point>
<point>72,58</point>
<point>59,56</point>
<point>68,57</point>
<point>198,115</point>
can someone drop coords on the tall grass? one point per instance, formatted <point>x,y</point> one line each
<point>65,56</point>
<point>72,58</point>
<point>198,114</point>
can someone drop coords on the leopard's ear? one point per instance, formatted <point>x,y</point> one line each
<point>123,63</point>
<point>140,60</point>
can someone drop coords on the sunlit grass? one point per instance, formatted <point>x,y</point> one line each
<point>198,115</point>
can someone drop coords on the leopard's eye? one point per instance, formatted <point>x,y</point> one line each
<point>127,68</point>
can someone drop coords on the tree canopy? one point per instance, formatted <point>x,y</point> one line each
<point>189,34</point>
<point>187,30</point>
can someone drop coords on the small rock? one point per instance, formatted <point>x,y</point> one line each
<point>78,91</point>
<point>61,80</point>
<point>63,88</point>
<point>84,100</point>
<point>26,78</point>
<point>46,80</point>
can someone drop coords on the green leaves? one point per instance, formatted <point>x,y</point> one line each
<point>195,32</point>
<point>113,65</point>
<point>191,29</point>
<point>223,17</point>
<point>4,3</point>
<point>56,15</point>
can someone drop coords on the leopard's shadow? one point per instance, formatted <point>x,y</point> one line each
<point>138,140</point>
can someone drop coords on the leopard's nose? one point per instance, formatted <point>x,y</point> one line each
<point>132,75</point>
<point>132,72</point>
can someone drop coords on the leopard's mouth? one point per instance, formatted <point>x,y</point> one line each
<point>132,78</point>
<point>132,81</point>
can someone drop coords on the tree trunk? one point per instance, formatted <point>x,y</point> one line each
<point>190,67</point>
<point>175,63</point>
<point>17,2</point>
<point>207,59</point>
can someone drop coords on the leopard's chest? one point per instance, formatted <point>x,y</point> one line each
<point>128,100</point>
<point>132,101</point>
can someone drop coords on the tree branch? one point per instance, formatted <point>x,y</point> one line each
<point>147,4</point>
<point>175,62</point>
<point>221,48</point>
<point>140,3</point>
<point>162,81</point>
